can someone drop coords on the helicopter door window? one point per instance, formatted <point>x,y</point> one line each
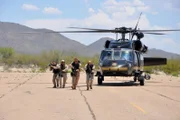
<point>141,60</point>
<point>138,58</point>
<point>135,58</point>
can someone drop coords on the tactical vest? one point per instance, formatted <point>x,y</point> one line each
<point>56,71</point>
<point>89,68</point>
<point>63,67</point>
<point>76,66</point>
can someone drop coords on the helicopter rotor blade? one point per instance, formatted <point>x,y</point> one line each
<point>32,32</point>
<point>170,30</point>
<point>98,31</point>
<point>80,31</point>
<point>155,33</point>
<point>116,30</point>
<point>87,28</point>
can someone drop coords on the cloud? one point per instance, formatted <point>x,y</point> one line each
<point>125,6</point>
<point>53,24</point>
<point>110,16</point>
<point>107,17</point>
<point>172,4</point>
<point>154,13</point>
<point>138,3</point>
<point>51,10</point>
<point>29,7</point>
<point>87,3</point>
<point>167,44</point>
<point>91,10</point>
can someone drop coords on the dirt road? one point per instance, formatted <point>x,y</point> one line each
<point>30,96</point>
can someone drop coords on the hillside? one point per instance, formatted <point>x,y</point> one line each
<point>11,36</point>
<point>160,53</point>
<point>97,46</point>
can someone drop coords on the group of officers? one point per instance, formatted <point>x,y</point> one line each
<point>60,72</point>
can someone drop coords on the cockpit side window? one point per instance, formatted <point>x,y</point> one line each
<point>106,55</point>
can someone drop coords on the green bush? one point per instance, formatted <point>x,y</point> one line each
<point>172,67</point>
<point>10,57</point>
<point>6,53</point>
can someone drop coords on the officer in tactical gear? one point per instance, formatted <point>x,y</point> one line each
<point>75,74</point>
<point>63,73</point>
<point>55,69</point>
<point>89,68</point>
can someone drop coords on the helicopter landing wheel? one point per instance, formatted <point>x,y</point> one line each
<point>100,79</point>
<point>141,80</point>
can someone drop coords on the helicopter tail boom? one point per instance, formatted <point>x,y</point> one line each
<point>152,61</point>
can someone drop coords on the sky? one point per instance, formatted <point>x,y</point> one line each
<point>59,14</point>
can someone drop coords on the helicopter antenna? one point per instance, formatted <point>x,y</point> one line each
<point>138,21</point>
<point>133,33</point>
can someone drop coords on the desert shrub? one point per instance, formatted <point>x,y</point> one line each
<point>173,66</point>
<point>10,57</point>
<point>6,52</point>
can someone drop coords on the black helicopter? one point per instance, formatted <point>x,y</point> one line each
<point>124,57</point>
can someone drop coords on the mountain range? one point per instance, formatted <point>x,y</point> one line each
<point>14,35</point>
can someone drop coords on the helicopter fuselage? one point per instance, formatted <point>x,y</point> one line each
<point>120,62</point>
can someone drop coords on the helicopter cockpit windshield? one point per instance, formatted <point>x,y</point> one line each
<point>123,55</point>
<point>116,55</point>
<point>127,55</point>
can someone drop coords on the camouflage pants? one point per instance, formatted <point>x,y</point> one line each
<point>55,80</point>
<point>75,80</point>
<point>64,77</point>
<point>89,80</point>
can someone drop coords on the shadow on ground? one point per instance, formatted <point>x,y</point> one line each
<point>112,84</point>
<point>66,87</point>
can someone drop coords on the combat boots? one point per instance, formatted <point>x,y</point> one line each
<point>91,82</point>
<point>87,87</point>
<point>73,87</point>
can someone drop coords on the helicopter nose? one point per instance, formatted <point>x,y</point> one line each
<point>125,64</point>
<point>118,63</point>
<point>122,63</point>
